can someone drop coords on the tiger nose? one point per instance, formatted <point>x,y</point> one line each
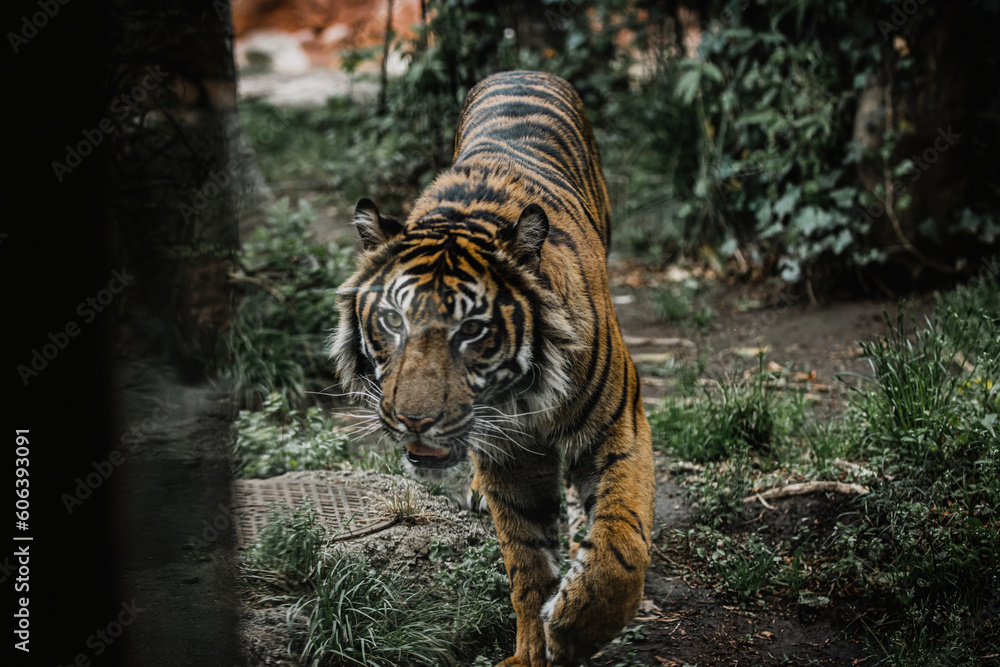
<point>417,424</point>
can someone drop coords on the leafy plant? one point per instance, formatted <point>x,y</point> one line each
<point>746,571</point>
<point>742,414</point>
<point>276,440</point>
<point>363,616</point>
<point>277,338</point>
<point>718,495</point>
<point>290,544</point>
<point>928,534</point>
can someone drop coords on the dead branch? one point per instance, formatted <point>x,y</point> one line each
<point>807,487</point>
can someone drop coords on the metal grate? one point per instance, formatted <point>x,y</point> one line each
<point>343,508</point>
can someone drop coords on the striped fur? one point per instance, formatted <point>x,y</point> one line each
<point>485,325</point>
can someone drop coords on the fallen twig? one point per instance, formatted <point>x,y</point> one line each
<point>806,487</point>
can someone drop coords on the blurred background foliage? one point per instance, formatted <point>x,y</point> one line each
<point>841,146</point>
<point>816,141</point>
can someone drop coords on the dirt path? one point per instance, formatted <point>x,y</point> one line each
<point>684,620</point>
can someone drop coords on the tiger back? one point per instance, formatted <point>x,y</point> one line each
<point>486,327</point>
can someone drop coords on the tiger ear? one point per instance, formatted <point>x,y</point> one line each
<point>373,227</point>
<point>525,239</point>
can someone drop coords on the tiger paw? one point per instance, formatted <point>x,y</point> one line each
<point>565,649</point>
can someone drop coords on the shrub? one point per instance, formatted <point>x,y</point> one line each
<point>276,440</point>
<point>287,306</point>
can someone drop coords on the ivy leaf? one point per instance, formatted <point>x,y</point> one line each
<point>811,218</point>
<point>843,197</point>
<point>790,270</point>
<point>988,422</point>
<point>688,85</point>
<point>712,72</point>
<point>786,204</point>
<point>841,241</point>
<point>764,214</point>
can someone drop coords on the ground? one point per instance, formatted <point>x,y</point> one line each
<point>684,618</point>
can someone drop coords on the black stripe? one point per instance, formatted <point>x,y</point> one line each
<point>613,458</point>
<point>544,512</point>
<point>621,559</point>
<point>584,412</point>
<point>635,404</point>
<point>479,192</point>
<point>615,416</point>
<point>543,590</point>
<point>615,517</point>
<point>541,543</point>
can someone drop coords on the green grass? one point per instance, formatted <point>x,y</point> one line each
<point>929,533</point>
<point>286,308</point>
<point>746,571</point>
<point>344,148</point>
<point>742,414</point>
<point>359,614</point>
<point>290,544</point>
<point>921,550</point>
<point>678,304</point>
<point>276,440</point>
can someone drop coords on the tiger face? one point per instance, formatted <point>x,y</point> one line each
<point>449,328</point>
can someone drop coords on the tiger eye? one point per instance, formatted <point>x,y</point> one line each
<point>393,320</point>
<point>471,328</point>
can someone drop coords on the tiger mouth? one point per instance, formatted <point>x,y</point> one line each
<point>423,455</point>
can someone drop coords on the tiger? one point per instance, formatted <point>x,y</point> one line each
<point>482,327</point>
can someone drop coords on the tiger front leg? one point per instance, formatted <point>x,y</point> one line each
<point>601,593</point>
<point>525,502</point>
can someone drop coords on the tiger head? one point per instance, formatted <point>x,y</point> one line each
<point>447,330</point>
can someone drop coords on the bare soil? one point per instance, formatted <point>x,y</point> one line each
<point>686,620</point>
